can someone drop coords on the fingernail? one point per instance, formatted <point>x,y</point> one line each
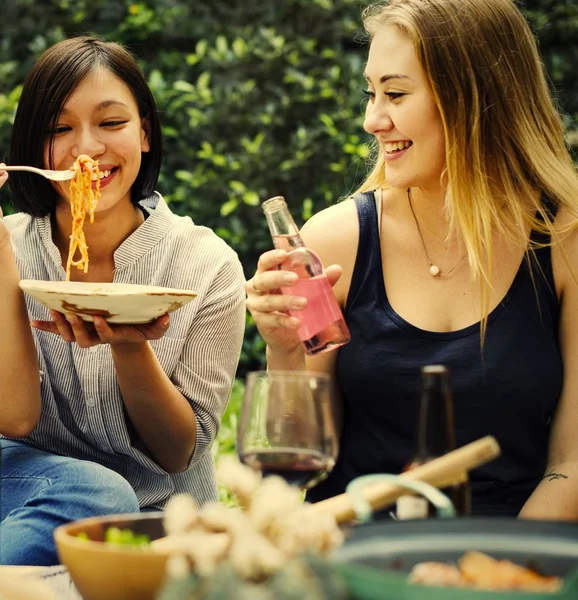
<point>281,254</point>
<point>290,277</point>
<point>298,302</point>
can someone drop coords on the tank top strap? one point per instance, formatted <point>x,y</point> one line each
<point>369,249</point>
<point>540,259</point>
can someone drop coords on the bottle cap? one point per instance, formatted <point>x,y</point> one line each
<point>411,507</point>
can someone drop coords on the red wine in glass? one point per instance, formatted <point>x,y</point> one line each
<point>298,467</point>
<point>286,426</point>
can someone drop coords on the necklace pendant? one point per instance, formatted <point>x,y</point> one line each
<point>434,270</point>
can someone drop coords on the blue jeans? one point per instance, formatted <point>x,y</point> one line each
<point>40,491</point>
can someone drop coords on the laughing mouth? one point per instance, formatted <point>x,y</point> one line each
<point>393,147</point>
<point>104,174</point>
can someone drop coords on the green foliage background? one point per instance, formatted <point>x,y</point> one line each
<point>258,98</point>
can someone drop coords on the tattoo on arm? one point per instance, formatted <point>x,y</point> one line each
<point>553,475</point>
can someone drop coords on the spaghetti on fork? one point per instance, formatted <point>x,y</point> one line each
<point>83,200</point>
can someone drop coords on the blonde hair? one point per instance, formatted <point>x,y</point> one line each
<point>504,137</point>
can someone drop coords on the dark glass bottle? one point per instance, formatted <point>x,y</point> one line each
<point>322,324</point>
<point>435,437</point>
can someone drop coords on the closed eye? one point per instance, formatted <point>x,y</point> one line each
<point>113,123</point>
<point>59,129</point>
<point>390,95</point>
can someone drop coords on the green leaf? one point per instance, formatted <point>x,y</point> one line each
<point>183,86</point>
<point>228,207</point>
<point>222,45</point>
<point>239,47</point>
<point>237,186</point>
<point>251,198</point>
<point>201,48</point>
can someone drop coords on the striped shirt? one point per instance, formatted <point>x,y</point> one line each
<point>82,408</point>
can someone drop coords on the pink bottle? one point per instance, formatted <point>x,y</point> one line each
<point>322,325</point>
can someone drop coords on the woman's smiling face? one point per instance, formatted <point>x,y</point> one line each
<point>100,119</point>
<point>401,113</point>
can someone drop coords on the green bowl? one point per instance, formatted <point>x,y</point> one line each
<point>377,557</point>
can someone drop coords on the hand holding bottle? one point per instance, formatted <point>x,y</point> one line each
<point>321,324</point>
<point>270,308</point>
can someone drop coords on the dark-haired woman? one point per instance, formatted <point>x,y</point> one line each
<point>110,418</point>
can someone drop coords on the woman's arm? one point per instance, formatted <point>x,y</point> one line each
<point>556,497</point>
<point>333,234</point>
<point>176,418</point>
<point>19,375</point>
<point>162,416</point>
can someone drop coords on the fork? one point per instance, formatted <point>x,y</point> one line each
<point>53,175</point>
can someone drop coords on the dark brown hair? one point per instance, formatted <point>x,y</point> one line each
<point>50,82</point>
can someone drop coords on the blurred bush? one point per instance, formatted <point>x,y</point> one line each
<point>257,98</point>
<point>226,442</point>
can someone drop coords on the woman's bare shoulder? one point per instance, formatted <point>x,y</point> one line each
<point>333,228</point>
<point>333,234</point>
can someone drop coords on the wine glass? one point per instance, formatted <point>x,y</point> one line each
<point>286,426</point>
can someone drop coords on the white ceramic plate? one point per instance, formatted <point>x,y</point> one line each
<point>116,302</point>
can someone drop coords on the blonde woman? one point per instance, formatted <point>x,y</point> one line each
<point>461,248</point>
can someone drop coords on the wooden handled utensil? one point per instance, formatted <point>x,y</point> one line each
<point>441,472</point>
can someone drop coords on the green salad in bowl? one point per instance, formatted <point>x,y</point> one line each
<point>271,546</point>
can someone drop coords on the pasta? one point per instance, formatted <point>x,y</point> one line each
<point>83,200</point>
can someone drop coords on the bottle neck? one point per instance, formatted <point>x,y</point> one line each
<point>436,434</point>
<point>284,231</point>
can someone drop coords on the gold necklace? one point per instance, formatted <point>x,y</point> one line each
<point>434,270</point>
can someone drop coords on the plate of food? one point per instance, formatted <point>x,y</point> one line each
<point>115,302</point>
<point>475,558</point>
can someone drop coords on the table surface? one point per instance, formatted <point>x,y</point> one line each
<point>53,582</point>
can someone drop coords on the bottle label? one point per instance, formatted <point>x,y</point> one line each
<point>411,507</point>
<point>322,309</point>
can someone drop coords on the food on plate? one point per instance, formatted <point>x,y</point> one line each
<point>83,200</point>
<point>480,571</point>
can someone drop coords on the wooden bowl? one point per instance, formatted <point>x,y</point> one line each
<point>103,571</point>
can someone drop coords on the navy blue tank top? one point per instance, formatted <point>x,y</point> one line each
<point>509,389</point>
